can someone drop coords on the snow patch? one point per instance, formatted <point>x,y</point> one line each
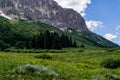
<point>63,29</point>
<point>2,14</point>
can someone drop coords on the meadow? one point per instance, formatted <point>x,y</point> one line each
<point>71,64</point>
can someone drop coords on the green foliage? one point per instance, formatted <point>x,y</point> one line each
<point>53,40</point>
<point>72,64</point>
<point>112,77</point>
<point>111,49</point>
<point>12,31</point>
<point>56,43</point>
<point>3,45</point>
<point>44,56</point>
<point>111,63</point>
<point>47,38</point>
<point>82,46</point>
<point>20,45</point>
<point>14,50</point>
<point>45,73</point>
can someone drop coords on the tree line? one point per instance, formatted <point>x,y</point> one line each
<point>51,40</point>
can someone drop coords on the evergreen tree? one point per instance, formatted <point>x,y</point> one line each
<point>67,41</point>
<point>34,42</point>
<point>82,46</point>
<point>47,40</point>
<point>74,44</point>
<point>56,42</point>
<point>70,42</point>
<point>41,40</point>
<point>63,40</point>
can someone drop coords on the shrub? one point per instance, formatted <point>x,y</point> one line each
<point>3,45</point>
<point>45,73</point>
<point>111,49</point>
<point>112,77</point>
<point>111,63</point>
<point>20,45</point>
<point>81,50</point>
<point>82,46</point>
<point>44,56</point>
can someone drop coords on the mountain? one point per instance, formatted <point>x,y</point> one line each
<point>13,32</point>
<point>46,11</point>
<point>25,18</point>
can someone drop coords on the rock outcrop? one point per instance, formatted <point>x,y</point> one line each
<point>46,11</point>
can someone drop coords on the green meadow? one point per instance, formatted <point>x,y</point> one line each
<point>67,64</point>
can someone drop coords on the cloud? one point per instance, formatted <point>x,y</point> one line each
<point>110,36</point>
<point>118,28</point>
<point>93,25</point>
<point>78,5</point>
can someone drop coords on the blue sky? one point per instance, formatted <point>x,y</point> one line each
<point>102,16</point>
<point>108,12</point>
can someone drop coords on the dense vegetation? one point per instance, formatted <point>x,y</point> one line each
<point>19,33</point>
<point>73,64</point>
<point>51,40</point>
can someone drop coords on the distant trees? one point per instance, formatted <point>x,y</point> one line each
<point>47,40</point>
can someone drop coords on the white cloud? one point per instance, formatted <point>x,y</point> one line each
<point>110,36</point>
<point>118,28</point>
<point>78,5</point>
<point>93,25</point>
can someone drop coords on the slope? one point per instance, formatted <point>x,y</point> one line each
<point>12,31</point>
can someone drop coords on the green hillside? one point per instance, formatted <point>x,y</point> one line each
<point>14,31</point>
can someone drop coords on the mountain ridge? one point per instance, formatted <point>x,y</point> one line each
<point>67,20</point>
<point>15,31</point>
<point>46,11</point>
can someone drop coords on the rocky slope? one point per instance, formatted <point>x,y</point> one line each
<point>46,11</point>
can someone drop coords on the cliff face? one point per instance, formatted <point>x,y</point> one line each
<point>46,11</point>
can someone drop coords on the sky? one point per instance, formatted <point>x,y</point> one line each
<point>101,16</point>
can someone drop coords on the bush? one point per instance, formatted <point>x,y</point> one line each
<point>111,49</point>
<point>112,77</point>
<point>20,45</point>
<point>45,73</point>
<point>3,45</point>
<point>81,50</point>
<point>111,63</point>
<point>44,56</point>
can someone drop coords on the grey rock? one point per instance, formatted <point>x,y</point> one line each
<point>46,11</point>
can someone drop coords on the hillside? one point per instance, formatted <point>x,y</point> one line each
<point>13,31</point>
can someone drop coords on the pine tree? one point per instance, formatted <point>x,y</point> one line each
<point>41,40</point>
<point>56,44</point>
<point>67,41</point>
<point>74,44</point>
<point>70,42</point>
<point>82,46</point>
<point>34,42</point>
<point>63,40</point>
<point>47,40</point>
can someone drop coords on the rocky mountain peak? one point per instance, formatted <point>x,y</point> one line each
<point>46,11</point>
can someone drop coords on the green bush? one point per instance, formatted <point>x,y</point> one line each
<point>3,45</point>
<point>45,73</point>
<point>44,56</point>
<point>111,49</point>
<point>20,45</point>
<point>81,50</point>
<point>112,77</point>
<point>111,63</point>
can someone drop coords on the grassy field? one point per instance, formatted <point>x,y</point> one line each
<point>74,64</point>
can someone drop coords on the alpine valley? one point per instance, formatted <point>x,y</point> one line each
<point>25,18</point>
<point>40,40</point>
